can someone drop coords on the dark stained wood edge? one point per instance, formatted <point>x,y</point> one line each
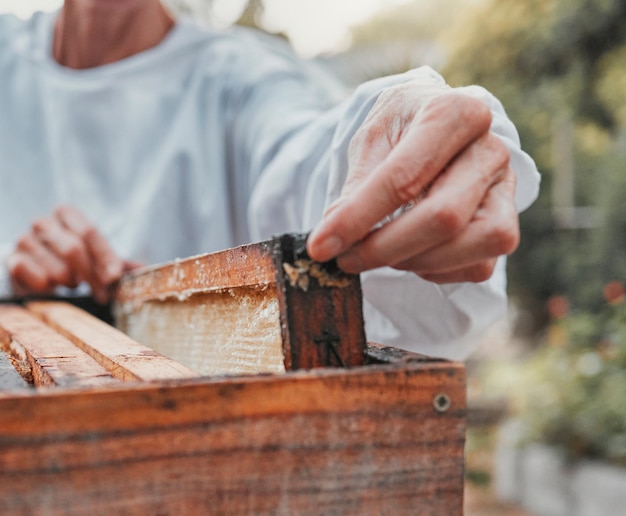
<point>321,311</point>
<point>381,354</point>
<point>245,266</point>
<point>87,303</point>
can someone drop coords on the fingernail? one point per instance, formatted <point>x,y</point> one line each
<point>351,263</point>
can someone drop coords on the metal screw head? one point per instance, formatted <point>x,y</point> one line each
<point>442,402</point>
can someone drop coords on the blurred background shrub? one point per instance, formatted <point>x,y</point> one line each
<point>571,393</point>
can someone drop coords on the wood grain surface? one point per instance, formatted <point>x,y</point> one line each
<point>321,311</point>
<point>367,440</point>
<point>245,266</point>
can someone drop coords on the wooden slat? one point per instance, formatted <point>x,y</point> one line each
<point>124,358</point>
<point>51,358</point>
<point>245,266</point>
<point>321,311</point>
<point>366,440</point>
<point>381,354</point>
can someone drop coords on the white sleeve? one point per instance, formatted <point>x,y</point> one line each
<point>307,173</point>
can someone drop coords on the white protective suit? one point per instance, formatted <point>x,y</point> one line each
<point>209,140</point>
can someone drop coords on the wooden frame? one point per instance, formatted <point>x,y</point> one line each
<point>319,318</point>
<point>384,436</point>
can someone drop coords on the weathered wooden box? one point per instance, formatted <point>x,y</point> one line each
<point>113,427</point>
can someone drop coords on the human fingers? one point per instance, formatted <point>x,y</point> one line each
<point>385,125</point>
<point>107,267</point>
<point>71,248</point>
<point>441,216</point>
<point>130,265</point>
<point>494,231</point>
<point>66,247</point>
<point>32,248</point>
<point>27,275</point>
<point>441,129</point>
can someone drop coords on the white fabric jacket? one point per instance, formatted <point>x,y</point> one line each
<point>209,140</point>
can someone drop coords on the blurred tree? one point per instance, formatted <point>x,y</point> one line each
<point>548,60</point>
<point>533,41</point>
<point>395,40</point>
<point>414,21</point>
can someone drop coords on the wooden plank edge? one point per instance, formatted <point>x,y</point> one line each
<point>450,369</point>
<point>380,354</point>
<point>244,266</point>
<point>236,395</point>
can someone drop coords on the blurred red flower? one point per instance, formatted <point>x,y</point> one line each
<point>558,307</point>
<point>614,292</point>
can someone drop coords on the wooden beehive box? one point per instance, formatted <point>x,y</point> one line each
<point>288,412</point>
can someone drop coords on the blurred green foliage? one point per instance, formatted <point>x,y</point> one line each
<point>572,392</point>
<point>548,60</point>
